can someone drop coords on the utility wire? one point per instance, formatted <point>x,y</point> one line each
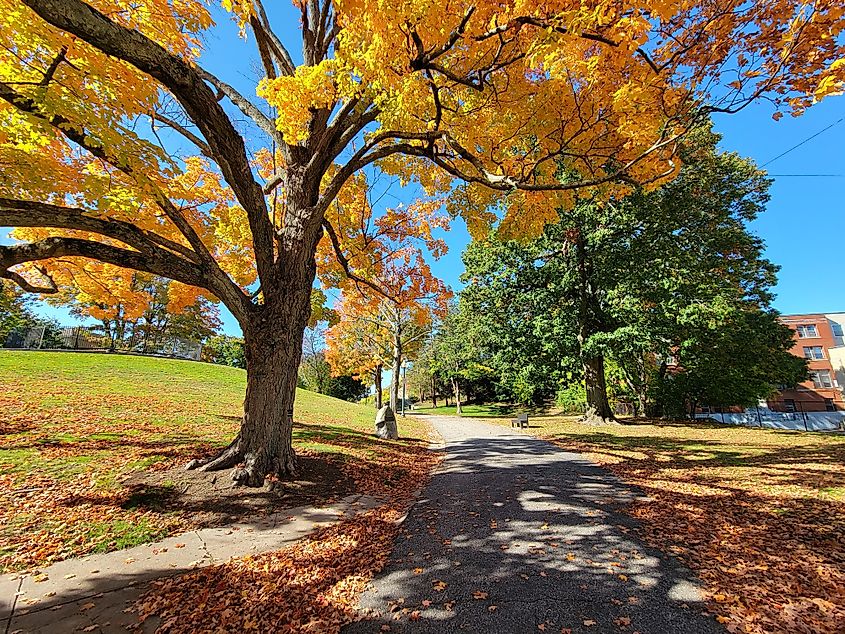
<point>797,145</point>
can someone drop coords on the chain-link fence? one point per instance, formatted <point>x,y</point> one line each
<point>48,337</point>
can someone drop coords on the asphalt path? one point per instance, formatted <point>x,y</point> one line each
<point>514,535</point>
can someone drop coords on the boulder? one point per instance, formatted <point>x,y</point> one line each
<point>386,424</point>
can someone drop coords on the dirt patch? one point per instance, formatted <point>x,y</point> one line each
<point>212,498</point>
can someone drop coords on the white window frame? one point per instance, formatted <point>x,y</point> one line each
<point>813,357</point>
<point>802,329</point>
<point>817,381</point>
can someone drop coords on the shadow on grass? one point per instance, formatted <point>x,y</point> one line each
<point>751,518</point>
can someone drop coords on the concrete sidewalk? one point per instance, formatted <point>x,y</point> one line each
<point>90,594</point>
<point>514,535</point>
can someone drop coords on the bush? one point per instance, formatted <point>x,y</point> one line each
<point>225,350</point>
<point>572,399</point>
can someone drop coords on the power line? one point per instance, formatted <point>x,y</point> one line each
<point>807,175</point>
<point>797,145</point>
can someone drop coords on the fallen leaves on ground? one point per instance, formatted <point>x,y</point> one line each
<point>311,586</point>
<point>758,515</point>
<point>75,428</point>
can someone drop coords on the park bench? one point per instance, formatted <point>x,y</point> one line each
<point>520,421</point>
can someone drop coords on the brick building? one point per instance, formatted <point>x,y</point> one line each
<point>819,338</point>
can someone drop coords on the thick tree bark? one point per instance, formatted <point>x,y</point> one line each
<point>273,340</point>
<point>598,407</point>
<point>273,347</point>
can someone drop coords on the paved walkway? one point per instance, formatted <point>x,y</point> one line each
<point>93,592</point>
<point>515,535</point>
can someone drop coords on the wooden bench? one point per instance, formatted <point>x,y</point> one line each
<point>520,421</point>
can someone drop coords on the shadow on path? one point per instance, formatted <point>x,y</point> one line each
<point>514,535</point>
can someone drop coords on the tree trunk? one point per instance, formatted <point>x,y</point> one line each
<point>433,392</point>
<point>395,370</point>
<point>656,408</point>
<point>273,341</point>
<point>377,373</point>
<point>598,408</point>
<point>456,386</point>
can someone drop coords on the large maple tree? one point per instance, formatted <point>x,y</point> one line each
<point>514,103</point>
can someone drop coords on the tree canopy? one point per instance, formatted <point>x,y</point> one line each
<point>670,274</point>
<point>514,105</point>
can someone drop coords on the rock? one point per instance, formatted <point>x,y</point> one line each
<point>386,424</point>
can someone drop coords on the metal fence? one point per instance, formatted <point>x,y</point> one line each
<point>765,417</point>
<point>91,338</point>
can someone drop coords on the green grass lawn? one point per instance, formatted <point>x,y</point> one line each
<point>75,427</point>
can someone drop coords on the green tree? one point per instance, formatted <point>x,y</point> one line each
<point>14,310</point>
<point>347,388</point>
<point>516,302</point>
<point>455,353</point>
<point>638,280</point>
<point>225,350</point>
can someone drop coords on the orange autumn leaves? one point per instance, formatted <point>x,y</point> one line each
<point>758,525</point>
<point>311,586</point>
<point>508,98</point>
<point>390,296</point>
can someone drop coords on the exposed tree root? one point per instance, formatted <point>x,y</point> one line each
<point>251,469</point>
<point>225,459</point>
<point>591,417</point>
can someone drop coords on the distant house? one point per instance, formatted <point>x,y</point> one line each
<point>819,338</point>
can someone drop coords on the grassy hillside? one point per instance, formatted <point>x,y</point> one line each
<point>92,448</point>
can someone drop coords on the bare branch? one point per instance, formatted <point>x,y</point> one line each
<point>202,146</point>
<point>279,50</point>
<point>243,104</point>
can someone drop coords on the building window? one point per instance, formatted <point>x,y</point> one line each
<point>813,352</point>
<point>806,331</point>
<point>829,405</point>
<point>789,404</point>
<point>821,378</point>
<point>837,329</point>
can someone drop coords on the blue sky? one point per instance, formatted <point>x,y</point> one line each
<point>803,227</point>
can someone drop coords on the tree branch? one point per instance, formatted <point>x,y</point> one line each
<point>154,262</point>
<point>25,213</point>
<point>202,146</point>
<point>26,285</point>
<point>283,56</point>
<point>78,136</point>
<point>344,262</point>
<point>190,89</point>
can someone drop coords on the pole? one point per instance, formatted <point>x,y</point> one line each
<point>803,415</point>
<point>404,386</point>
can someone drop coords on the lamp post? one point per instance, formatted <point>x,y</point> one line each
<point>404,384</point>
